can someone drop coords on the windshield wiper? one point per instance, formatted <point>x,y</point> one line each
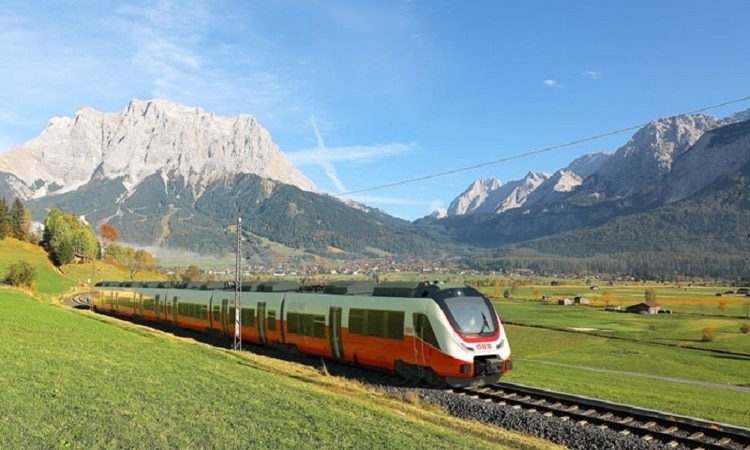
<point>484,324</point>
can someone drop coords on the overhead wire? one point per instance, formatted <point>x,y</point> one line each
<point>531,153</point>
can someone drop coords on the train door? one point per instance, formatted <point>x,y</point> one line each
<point>262,322</point>
<point>157,308</point>
<point>210,312</point>
<point>420,323</point>
<point>140,304</point>
<point>224,315</point>
<point>334,330</point>
<point>174,311</point>
<point>282,319</point>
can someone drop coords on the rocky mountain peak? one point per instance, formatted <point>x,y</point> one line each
<point>647,158</point>
<point>650,153</point>
<point>474,196</point>
<point>145,138</point>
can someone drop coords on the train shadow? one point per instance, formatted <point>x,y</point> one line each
<point>351,371</point>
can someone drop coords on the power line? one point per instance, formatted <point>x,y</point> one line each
<point>532,152</point>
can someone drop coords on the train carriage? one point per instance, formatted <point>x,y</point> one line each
<point>444,334</point>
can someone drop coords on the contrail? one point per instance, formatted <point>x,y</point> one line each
<point>325,164</point>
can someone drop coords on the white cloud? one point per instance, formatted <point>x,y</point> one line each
<point>592,74</point>
<point>552,83</point>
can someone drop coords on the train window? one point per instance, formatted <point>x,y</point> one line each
<point>423,329</point>
<point>306,324</point>
<point>292,323</point>
<point>471,315</point>
<point>248,317</point>
<point>271,320</point>
<point>319,326</point>
<point>356,321</point>
<point>217,314</point>
<point>395,325</point>
<point>377,323</point>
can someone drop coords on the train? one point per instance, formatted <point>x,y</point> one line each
<point>441,334</point>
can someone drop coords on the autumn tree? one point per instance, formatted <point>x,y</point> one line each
<point>723,306</point>
<point>607,298</point>
<point>650,296</point>
<point>131,259</point>
<point>108,235</point>
<point>708,334</point>
<point>138,261</point>
<point>192,273</point>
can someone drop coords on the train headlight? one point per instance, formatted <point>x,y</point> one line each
<point>465,347</point>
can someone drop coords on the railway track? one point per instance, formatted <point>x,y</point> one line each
<point>79,301</point>
<point>652,426</point>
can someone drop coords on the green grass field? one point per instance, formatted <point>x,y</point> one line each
<point>84,381</point>
<point>73,379</point>
<point>654,361</point>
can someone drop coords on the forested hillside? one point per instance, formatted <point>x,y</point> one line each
<point>707,236</point>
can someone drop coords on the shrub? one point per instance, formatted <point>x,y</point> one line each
<point>21,274</point>
<point>745,328</point>
<point>709,334</point>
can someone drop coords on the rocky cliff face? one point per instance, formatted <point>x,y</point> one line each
<point>146,138</point>
<point>678,154</point>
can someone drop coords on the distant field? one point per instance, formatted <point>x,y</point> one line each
<point>636,359</point>
<point>671,329</point>
<point>72,379</point>
<point>679,299</point>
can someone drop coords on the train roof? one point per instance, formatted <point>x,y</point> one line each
<point>277,286</point>
<point>412,288</point>
<point>405,289</point>
<point>350,288</point>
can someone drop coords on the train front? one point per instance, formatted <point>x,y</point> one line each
<point>476,335</point>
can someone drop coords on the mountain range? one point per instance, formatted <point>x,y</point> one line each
<point>170,176</point>
<point>647,159</point>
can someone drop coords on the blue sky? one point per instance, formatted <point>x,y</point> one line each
<point>366,94</point>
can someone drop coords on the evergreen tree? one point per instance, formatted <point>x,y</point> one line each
<point>4,219</point>
<point>18,225</point>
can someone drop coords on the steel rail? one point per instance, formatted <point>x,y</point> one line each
<point>671,429</point>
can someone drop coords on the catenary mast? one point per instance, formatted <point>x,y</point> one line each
<point>237,345</point>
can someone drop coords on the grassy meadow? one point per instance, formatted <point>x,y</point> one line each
<point>79,380</point>
<point>73,379</point>
<point>656,361</point>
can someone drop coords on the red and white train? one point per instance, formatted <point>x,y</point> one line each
<point>444,334</point>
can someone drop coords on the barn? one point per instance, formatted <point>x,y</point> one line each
<point>644,308</point>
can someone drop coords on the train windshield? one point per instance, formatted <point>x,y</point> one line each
<point>469,312</point>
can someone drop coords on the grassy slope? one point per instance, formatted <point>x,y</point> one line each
<point>49,283</point>
<point>73,379</point>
